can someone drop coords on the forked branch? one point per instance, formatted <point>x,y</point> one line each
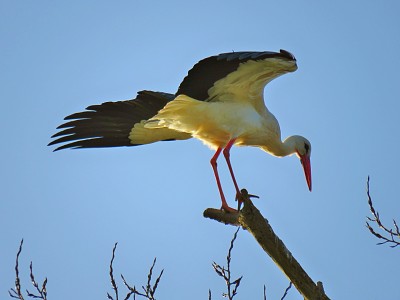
<point>226,274</point>
<point>41,291</point>
<point>147,292</point>
<point>390,235</point>
<point>251,219</point>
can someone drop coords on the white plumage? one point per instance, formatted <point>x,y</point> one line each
<point>220,102</point>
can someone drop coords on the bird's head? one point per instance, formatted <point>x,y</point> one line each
<point>302,148</point>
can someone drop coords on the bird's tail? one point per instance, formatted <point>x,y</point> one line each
<point>114,124</point>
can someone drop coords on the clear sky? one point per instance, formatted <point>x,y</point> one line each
<point>58,57</point>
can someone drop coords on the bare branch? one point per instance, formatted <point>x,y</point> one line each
<point>149,289</point>
<point>112,279</point>
<point>392,234</point>
<point>265,292</point>
<point>226,273</point>
<point>251,219</point>
<point>16,293</point>
<point>42,291</point>
<point>222,217</point>
<point>286,291</point>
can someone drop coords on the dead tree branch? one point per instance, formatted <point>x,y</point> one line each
<point>16,293</point>
<point>287,290</point>
<point>148,291</point>
<point>251,219</point>
<point>225,273</point>
<point>392,235</point>
<point>42,291</point>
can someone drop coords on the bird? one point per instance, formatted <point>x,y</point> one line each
<point>220,102</point>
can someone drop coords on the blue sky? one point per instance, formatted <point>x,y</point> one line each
<point>72,206</point>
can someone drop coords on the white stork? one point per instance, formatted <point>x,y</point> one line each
<point>219,102</point>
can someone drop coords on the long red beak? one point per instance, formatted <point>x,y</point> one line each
<point>305,161</point>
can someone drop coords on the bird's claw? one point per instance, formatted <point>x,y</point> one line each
<point>241,196</point>
<point>228,209</point>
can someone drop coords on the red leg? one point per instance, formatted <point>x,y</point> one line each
<point>213,162</point>
<point>228,161</point>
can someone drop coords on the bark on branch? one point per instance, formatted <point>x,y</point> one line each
<point>251,219</point>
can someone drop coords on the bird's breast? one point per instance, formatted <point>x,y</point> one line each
<point>216,123</point>
<point>220,122</point>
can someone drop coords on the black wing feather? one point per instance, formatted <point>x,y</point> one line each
<point>109,124</point>
<point>206,72</point>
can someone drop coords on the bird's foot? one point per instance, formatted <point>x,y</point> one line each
<point>241,196</point>
<point>228,209</point>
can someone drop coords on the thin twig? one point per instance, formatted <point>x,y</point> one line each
<point>287,290</point>
<point>132,290</point>
<point>394,234</point>
<point>226,273</point>
<point>16,293</point>
<point>148,291</point>
<point>42,291</point>
<point>113,283</point>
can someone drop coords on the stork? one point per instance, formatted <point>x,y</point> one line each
<point>219,102</point>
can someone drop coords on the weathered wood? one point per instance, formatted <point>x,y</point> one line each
<point>251,219</point>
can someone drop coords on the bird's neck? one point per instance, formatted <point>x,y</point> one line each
<point>281,149</point>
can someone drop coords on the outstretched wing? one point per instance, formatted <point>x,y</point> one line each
<point>114,124</point>
<point>236,76</point>
<point>230,77</point>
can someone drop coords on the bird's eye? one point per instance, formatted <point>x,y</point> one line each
<point>307,147</point>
